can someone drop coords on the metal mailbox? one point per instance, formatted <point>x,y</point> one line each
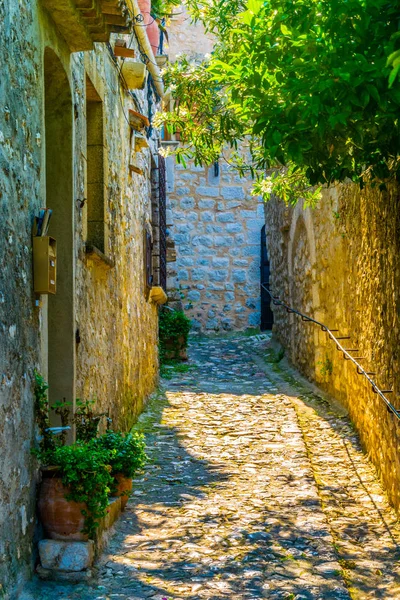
<point>44,265</point>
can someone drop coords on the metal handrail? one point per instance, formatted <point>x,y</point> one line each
<point>360,370</point>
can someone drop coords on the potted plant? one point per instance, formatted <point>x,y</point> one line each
<point>76,479</point>
<point>126,456</point>
<point>73,497</point>
<point>174,327</point>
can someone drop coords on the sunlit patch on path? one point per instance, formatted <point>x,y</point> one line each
<point>256,488</point>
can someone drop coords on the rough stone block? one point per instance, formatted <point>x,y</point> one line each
<point>204,262</point>
<point>206,203</point>
<point>223,241</point>
<point>207,216</point>
<point>186,250</point>
<point>212,324</point>
<point>220,262</point>
<point>181,238</point>
<point>226,217</point>
<point>183,274</point>
<point>239,262</point>
<point>184,227</point>
<point>187,203</point>
<point>211,178</point>
<point>203,190</point>
<point>255,224</point>
<point>229,205</point>
<point>219,275</point>
<point>240,239</point>
<point>214,229</point>
<point>233,193</point>
<point>251,251</point>
<point>229,297</point>
<point>182,191</point>
<point>199,275</point>
<point>234,227</point>
<point>203,240</point>
<point>254,319</point>
<point>66,556</point>
<point>194,295</point>
<point>253,237</point>
<point>186,262</point>
<point>239,276</point>
<point>246,214</point>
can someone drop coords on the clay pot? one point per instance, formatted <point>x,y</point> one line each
<point>62,519</point>
<point>123,484</point>
<point>153,33</point>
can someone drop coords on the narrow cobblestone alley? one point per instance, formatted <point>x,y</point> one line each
<point>256,488</point>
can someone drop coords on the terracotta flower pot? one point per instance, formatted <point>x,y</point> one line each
<point>123,484</point>
<point>62,519</point>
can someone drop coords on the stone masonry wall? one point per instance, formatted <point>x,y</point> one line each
<point>215,224</point>
<point>114,324</point>
<point>339,263</point>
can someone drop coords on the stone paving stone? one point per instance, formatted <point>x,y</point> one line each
<point>255,489</point>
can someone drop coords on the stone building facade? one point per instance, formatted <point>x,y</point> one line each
<point>68,142</point>
<point>215,224</point>
<point>339,263</point>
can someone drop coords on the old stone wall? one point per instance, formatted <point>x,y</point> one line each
<point>215,224</point>
<point>97,337</point>
<point>339,264</point>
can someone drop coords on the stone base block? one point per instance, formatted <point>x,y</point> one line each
<point>67,576</point>
<point>66,556</point>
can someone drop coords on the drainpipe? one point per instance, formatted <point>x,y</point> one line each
<point>151,64</point>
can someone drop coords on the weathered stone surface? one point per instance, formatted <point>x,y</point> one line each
<point>340,264</point>
<point>66,556</point>
<point>97,337</point>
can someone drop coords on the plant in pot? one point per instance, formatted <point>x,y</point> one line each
<point>74,491</point>
<point>76,479</point>
<point>126,456</point>
<point>174,327</point>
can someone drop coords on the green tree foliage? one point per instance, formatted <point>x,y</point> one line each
<point>311,86</point>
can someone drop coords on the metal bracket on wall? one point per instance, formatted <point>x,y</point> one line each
<point>360,370</point>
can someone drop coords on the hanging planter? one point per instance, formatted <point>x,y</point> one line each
<point>134,74</point>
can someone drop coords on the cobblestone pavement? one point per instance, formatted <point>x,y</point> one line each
<point>256,488</point>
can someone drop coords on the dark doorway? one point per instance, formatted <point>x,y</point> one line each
<point>267,316</point>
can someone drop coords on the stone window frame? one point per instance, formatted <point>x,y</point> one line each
<point>96,174</point>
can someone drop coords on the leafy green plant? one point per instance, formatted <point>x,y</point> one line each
<point>174,328</point>
<point>86,420</point>
<point>170,367</point>
<point>163,8</point>
<point>85,471</point>
<point>126,451</point>
<point>302,87</point>
<point>47,442</point>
